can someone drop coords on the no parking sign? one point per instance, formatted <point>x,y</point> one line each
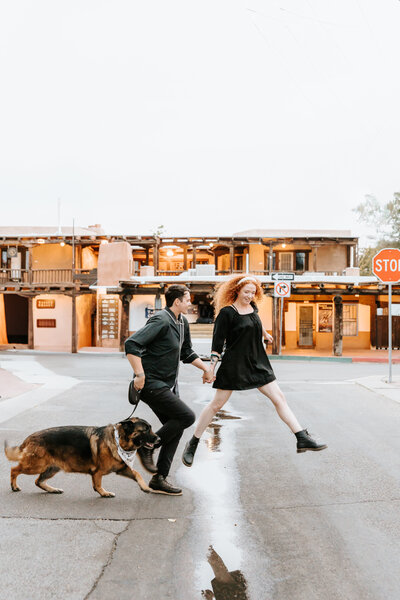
<point>282,289</point>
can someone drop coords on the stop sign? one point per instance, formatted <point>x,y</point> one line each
<point>386,265</point>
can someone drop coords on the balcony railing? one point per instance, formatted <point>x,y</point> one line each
<point>32,277</point>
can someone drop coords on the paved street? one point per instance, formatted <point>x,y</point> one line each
<point>321,526</point>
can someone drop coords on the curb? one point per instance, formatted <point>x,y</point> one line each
<point>310,358</point>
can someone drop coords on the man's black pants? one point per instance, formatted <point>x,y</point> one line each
<point>175,417</point>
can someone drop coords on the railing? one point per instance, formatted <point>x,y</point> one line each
<point>47,276</point>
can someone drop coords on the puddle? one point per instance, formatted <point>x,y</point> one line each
<point>226,585</point>
<point>213,443</point>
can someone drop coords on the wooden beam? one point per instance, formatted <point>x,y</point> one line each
<point>124,329</point>
<point>338,326</point>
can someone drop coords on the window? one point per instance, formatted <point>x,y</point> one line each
<point>285,261</point>
<point>350,319</point>
<point>45,303</point>
<point>300,261</point>
<point>45,322</point>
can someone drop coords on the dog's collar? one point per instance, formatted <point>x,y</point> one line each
<point>128,456</point>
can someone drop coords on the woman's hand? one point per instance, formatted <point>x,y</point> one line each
<point>139,381</point>
<point>208,376</point>
<point>268,337</point>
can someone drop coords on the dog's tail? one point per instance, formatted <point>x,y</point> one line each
<point>12,452</point>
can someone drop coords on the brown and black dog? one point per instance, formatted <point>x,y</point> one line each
<point>78,449</point>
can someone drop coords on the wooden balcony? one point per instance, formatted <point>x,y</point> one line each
<point>48,277</point>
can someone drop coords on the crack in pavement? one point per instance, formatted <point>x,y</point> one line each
<point>108,561</point>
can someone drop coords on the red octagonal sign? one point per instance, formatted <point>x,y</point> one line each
<point>386,265</point>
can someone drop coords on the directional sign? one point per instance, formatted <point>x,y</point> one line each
<point>386,265</point>
<point>282,276</point>
<point>282,289</point>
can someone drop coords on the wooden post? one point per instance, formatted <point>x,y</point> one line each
<point>232,258</point>
<point>30,323</point>
<point>155,258</point>
<point>185,263</point>
<point>314,258</point>
<point>270,258</point>
<point>275,325</point>
<point>147,255</point>
<point>338,326</point>
<point>124,330</point>
<point>74,345</point>
<point>194,257</point>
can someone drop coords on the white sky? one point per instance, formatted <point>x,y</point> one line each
<point>207,117</point>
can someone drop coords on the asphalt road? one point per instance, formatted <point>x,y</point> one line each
<point>321,526</point>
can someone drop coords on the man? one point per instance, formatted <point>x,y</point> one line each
<point>154,353</point>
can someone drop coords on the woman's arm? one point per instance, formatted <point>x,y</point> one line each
<point>268,337</point>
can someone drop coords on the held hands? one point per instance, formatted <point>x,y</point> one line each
<point>208,376</point>
<point>139,381</point>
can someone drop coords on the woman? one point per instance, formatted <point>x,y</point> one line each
<point>244,364</point>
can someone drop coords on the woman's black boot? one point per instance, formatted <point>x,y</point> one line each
<point>190,451</point>
<point>305,442</point>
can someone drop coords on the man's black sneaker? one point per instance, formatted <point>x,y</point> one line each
<point>146,458</point>
<point>305,442</point>
<point>160,485</point>
<point>190,451</point>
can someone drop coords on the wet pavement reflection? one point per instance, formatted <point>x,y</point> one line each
<point>226,585</point>
<point>214,442</point>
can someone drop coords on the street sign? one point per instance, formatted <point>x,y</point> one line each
<point>386,265</point>
<point>282,289</point>
<point>282,276</point>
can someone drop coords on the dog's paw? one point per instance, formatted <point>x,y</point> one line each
<point>56,491</point>
<point>146,490</point>
<point>15,489</point>
<point>108,495</point>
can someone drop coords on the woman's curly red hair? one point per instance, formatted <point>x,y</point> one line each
<point>228,291</point>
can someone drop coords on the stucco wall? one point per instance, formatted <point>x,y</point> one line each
<point>3,328</point>
<point>256,257</point>
<point>89,258</point>
<point>137,317</point>
<point>52,256</point>
<point>58,338</point>
<point>114,264</point>
<point>331,258</point>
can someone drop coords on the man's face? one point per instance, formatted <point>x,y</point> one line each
<point>182,304</point>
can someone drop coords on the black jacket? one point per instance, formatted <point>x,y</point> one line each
<point>159,344</point>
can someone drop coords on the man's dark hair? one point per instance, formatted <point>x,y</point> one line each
<point>173,292</point>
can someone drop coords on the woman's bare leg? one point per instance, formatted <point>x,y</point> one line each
<point>277,397</point>
<point>209,412</point>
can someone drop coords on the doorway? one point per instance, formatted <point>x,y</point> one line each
<point>306,326</point>
<point>16,309</point>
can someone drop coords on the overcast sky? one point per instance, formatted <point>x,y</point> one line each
<point>207,117</point>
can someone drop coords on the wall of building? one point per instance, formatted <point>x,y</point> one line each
<point>137,310</point>
<point>115,263</point>
<point>89,258</point>
<point>3,328</point>
<point>363,339</point>
<point>52,256</point>
<point>331,258</point>
<point>53,338</point>
<point>256,257</point>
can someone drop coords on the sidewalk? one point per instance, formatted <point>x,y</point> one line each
<point>380,385</point>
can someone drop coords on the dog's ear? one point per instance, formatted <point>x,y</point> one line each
<point>128,426</point>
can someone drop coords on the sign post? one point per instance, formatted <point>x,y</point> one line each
<point>386,266</point>
<point>281,290</point>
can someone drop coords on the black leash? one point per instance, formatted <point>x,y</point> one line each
<point>133,398</point>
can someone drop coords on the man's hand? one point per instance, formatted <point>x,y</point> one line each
<point>139,381</point>
<point>208,376</point>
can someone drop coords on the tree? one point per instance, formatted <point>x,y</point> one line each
<point>386,220</point>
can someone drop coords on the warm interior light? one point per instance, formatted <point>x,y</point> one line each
<point>211,244</point>
<point>62,244</point>
<point>283,245</point>
<point>104,242</point>
<point>170,253</point>
<point>41,241</point>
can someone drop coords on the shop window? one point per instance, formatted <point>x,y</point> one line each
<point>300,261</point>
<point>325,318</point>
<point>350,319</point>
<point>45,303</point>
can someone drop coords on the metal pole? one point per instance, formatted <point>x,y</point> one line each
<point>73,332</point>
<point>280,326</point>
<point>247,262</point>
<point>390,331</point>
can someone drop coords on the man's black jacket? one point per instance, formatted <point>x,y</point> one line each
<point>159,344</point>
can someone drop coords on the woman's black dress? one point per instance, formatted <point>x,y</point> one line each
<point>244,364</point>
